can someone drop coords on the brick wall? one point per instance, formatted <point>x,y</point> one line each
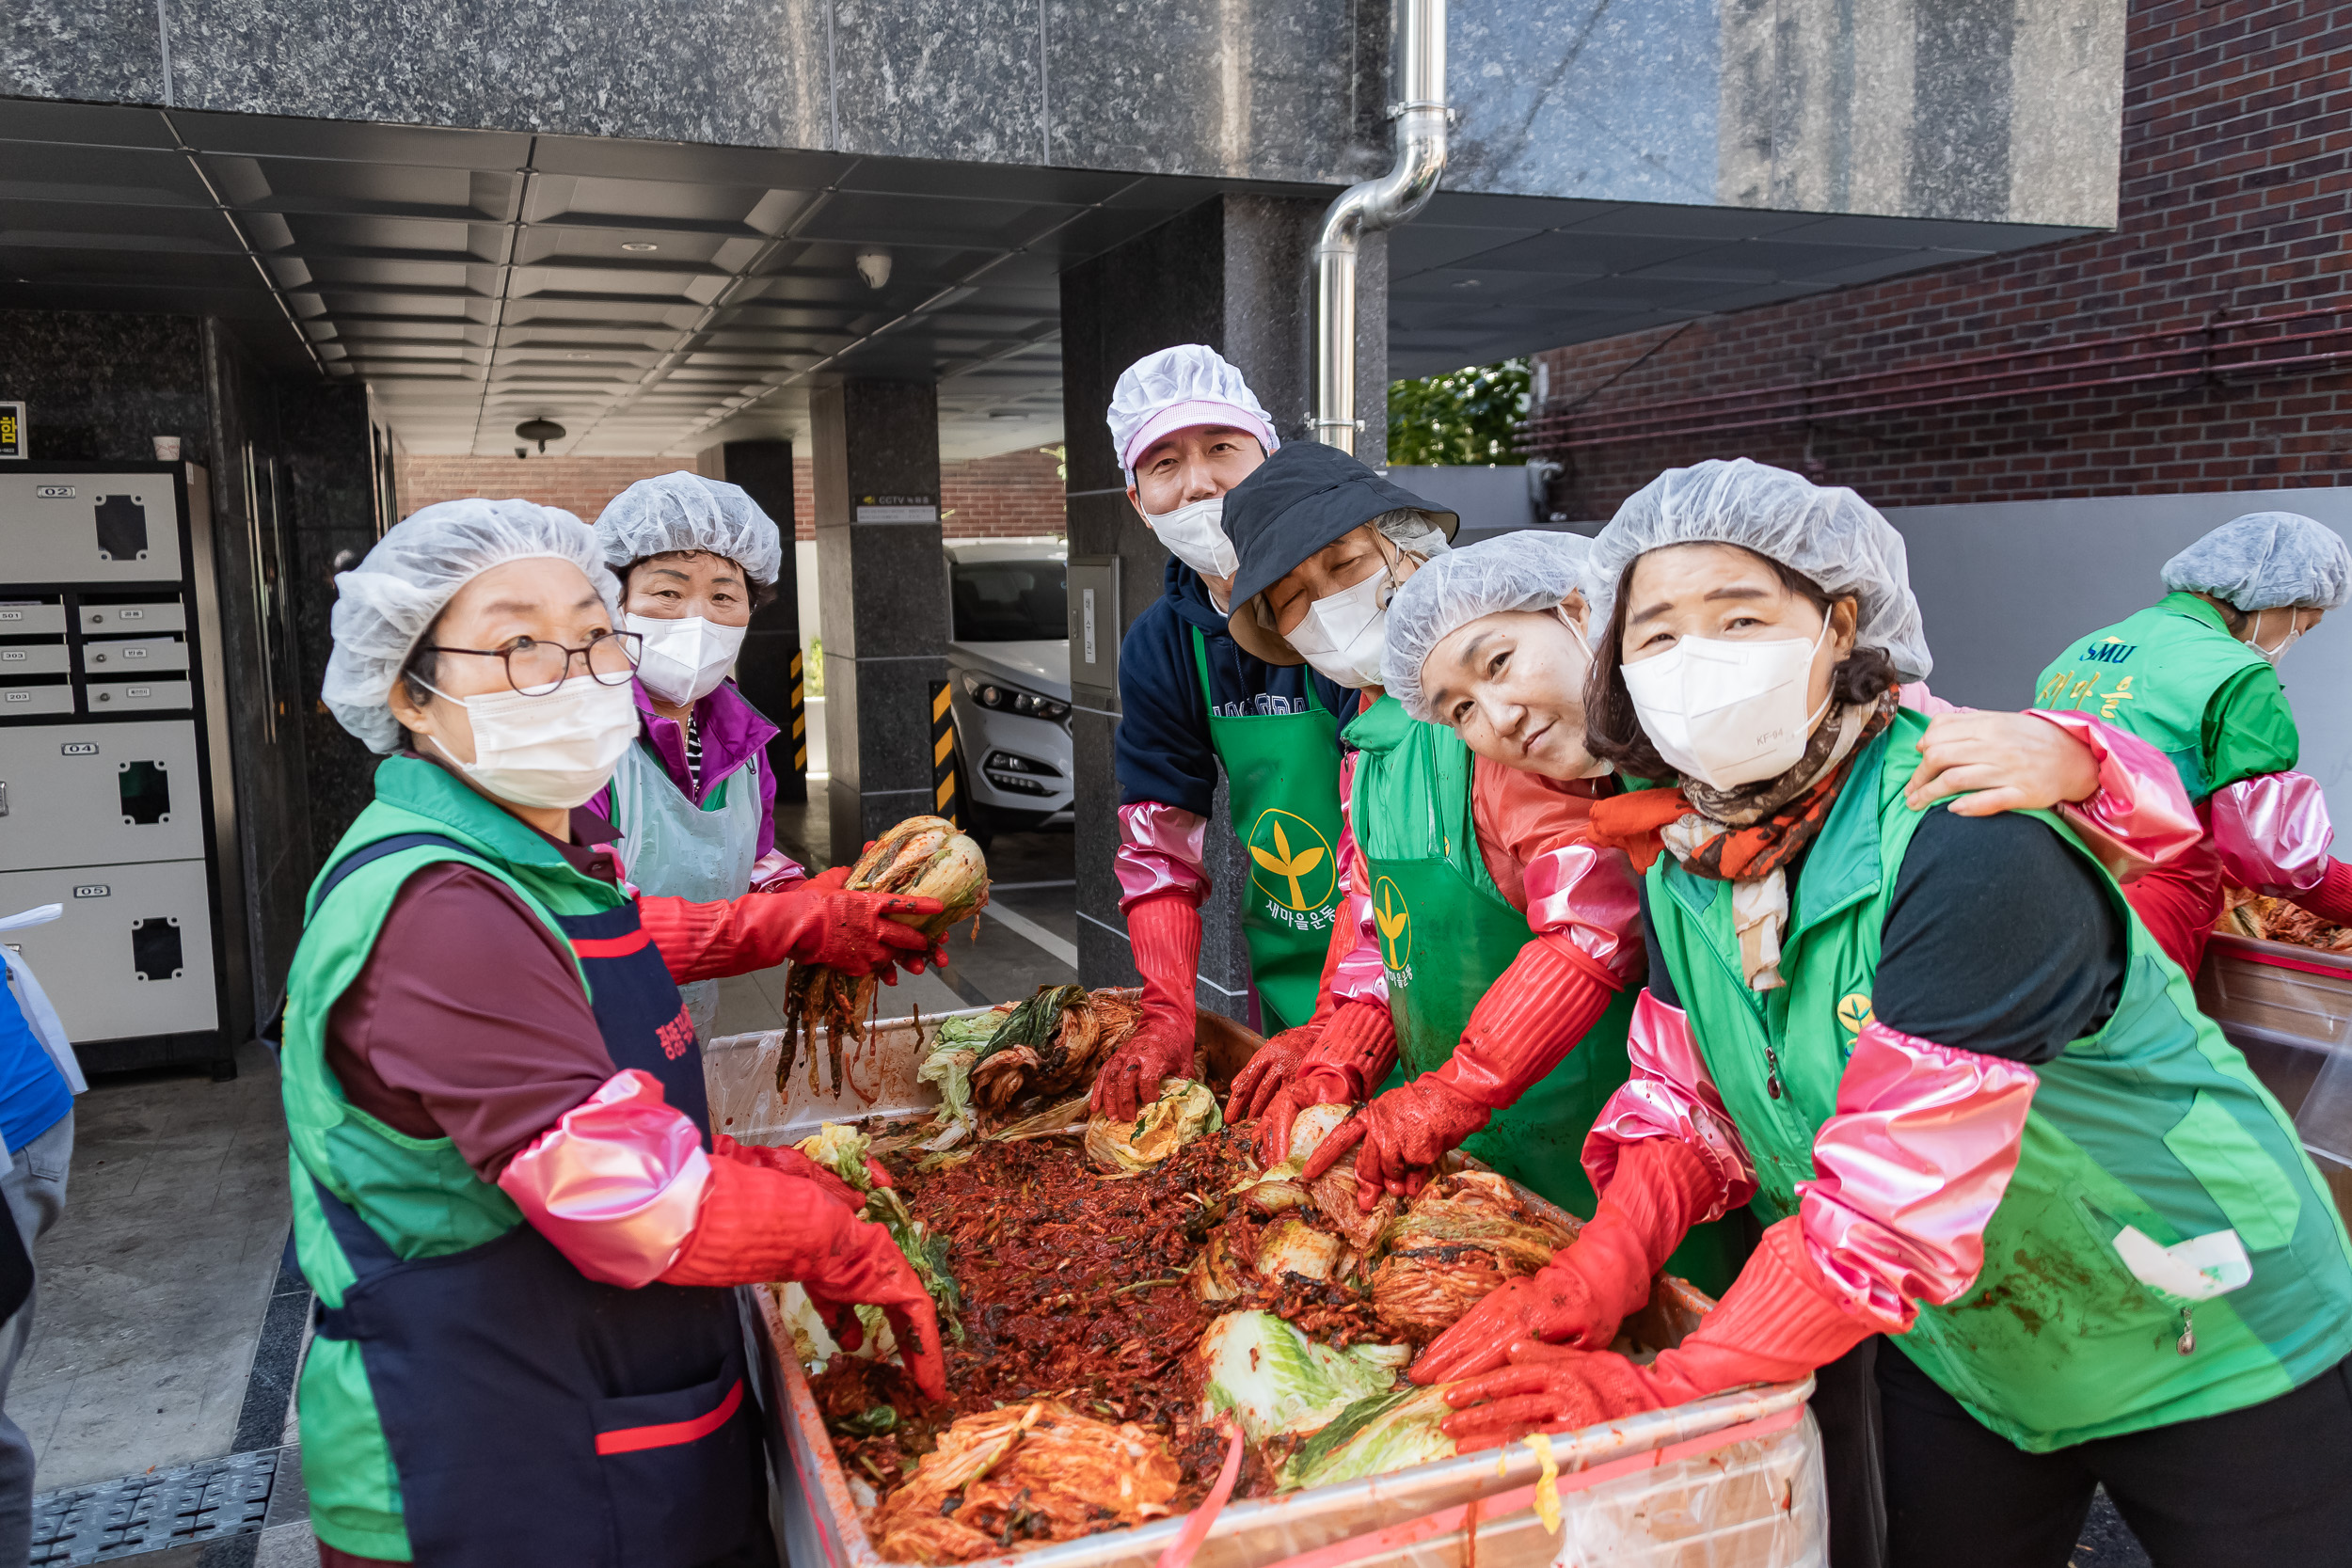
<point>2236,166</point>
<point>1015,493</point>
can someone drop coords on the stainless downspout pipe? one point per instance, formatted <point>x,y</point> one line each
<point>1422,119</point>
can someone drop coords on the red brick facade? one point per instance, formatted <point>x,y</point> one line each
<point>2229,250</point>
<point>1015,493</point>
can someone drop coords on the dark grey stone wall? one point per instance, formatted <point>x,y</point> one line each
<point>1231,273</point>
<point>1905,108</point>
<point>884,586</point>
<point>99,386</point>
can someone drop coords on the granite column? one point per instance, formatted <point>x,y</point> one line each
<point>883,585</point>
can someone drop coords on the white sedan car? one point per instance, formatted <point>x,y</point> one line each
<point>1009,677</point>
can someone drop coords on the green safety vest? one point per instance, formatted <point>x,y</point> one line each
<point>1282,786</point>
<point>2154,1121</point>
<point>417,1194</point>
<point>1447,934</point>
<point>2175,676</point>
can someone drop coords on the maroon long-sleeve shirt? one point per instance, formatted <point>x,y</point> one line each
<point>467,1020</point>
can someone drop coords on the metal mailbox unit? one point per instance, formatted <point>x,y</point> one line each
<point>114,798</point>
<point>1734,1480</point>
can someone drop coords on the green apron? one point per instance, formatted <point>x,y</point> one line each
<point>1447,934</point>
<point>1282,782</point>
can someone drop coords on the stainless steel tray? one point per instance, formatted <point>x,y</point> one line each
<point>2289,1009</point>
<point>818,1516</point>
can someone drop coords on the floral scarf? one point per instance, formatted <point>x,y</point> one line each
<point>1749,835</point>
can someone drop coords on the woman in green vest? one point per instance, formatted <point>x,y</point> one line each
<point>521,1226</point>
<point>1974,1103</point>
<point>2194,674</point>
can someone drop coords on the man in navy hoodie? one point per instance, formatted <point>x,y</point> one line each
<point>1187,429</point>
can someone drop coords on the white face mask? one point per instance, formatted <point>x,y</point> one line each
<point>552,750</point>
<point>1195,534</point>
<point>2253,637</point>
<point>684,659</point>
<point>1727,713</point>
<point>1345,635</point>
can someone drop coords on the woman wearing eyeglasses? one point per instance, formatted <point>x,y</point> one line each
<point>506,1189</point>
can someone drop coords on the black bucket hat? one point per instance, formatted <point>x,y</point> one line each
<point>1298,500</point>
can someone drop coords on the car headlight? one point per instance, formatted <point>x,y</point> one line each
<point>1007,698</point>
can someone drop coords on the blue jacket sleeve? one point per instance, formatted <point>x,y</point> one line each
<point>1163,751</point>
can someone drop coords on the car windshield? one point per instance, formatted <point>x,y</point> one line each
<point>1010,601</point>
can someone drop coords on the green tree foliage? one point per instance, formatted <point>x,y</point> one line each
<point>1467,416</point>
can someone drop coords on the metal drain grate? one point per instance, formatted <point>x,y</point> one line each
<point>184,1506</point>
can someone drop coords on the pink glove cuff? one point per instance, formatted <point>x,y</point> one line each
<point>615,1183</point>
<point>1911,1165</point>
<point>2140,817</point>
<point>1159,851</point>
<point>2273,833</point>
<point>1585,894</point>
<point>1670,1096</point>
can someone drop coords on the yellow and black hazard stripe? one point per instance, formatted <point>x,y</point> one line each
<point>946,792</point>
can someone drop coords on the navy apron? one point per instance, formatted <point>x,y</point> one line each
<point>536,1415</point>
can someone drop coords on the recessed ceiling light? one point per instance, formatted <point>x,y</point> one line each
<point>580,356</point>
<point>639,245</point>
<point>1467,283</point>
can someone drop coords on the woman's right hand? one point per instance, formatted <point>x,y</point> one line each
<point>1554,1305</point>
<point>1268,1070</point>
<point>864,1265</point>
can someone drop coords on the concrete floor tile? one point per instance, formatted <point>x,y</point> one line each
<point>155,1281</point>
<point>745,1008</point>
<point>288,1546</point>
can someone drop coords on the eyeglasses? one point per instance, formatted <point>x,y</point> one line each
<point>535,669</point>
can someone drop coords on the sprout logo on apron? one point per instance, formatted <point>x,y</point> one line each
<point>1394,918</point>
<point>1295,870</point>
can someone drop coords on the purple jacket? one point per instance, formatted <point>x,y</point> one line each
<point>733,732</point>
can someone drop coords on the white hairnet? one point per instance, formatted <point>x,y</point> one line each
<point>1527,570</point>
<point>686,511</point>
<point>384,605</point>
<point>1188,385</point>
<point>1825,532</point>
<point>2266,561</point>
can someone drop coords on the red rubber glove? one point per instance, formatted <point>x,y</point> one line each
<point>2331,900</point>
<point>1268,1070</point>
<point>855,932</point>
<point>1523,1027</point>
<point>1661,1189</point>
<point>1354,1052</point>
<point>1777,1322</point>
<point>1165,933</point>
<point>824,882</point>
<point>759,1225</point>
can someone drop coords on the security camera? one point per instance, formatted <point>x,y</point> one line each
<point>522,451</point>
<point>874,266</point>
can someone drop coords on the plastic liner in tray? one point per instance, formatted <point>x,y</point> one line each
<point>1730,1482</point>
